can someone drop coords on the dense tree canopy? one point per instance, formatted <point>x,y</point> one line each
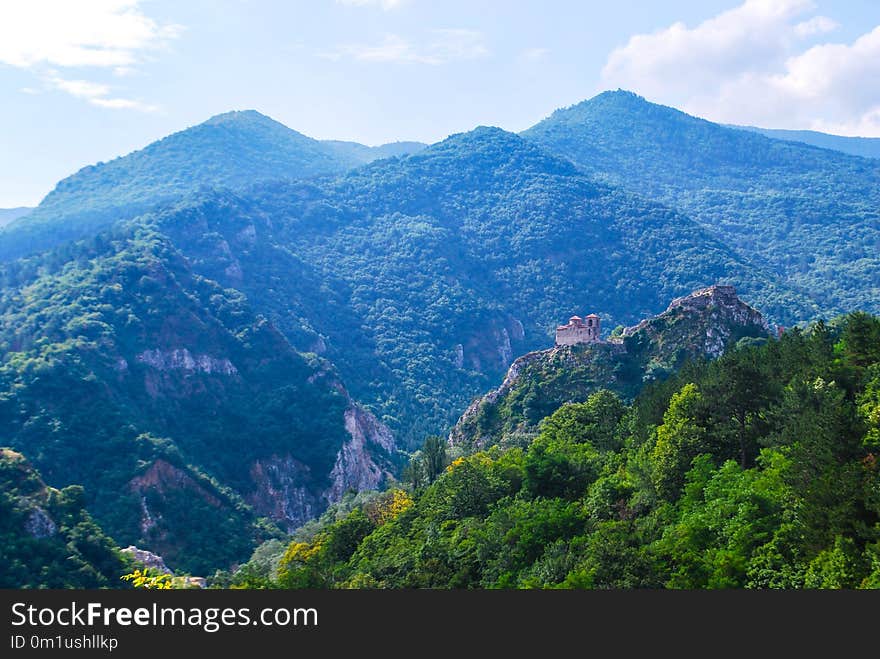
<point>653,494</point>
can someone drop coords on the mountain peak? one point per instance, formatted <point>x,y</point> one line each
<point>619,96</point>
<point>243,117</point>
<point>232,150</point>
<point>236,114</point>
<point>488,147</point>
<point>703,297</point>
<point>482,134</point>
<point>716,313</point>
<point>615,106</point>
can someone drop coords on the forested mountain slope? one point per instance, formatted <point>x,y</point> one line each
<point>865,147</point>
<point>756,470</point>
<point>187,417</point>
<point>232,150</point>
<point>420,277</point>
<point>811,215</point>
<point>217,365</point>
<point>47,539</point>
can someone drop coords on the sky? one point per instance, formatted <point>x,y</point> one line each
<point>83,81</point>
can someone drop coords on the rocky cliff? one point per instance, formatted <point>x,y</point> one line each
<point>284,488</point>
<point>702,324</point>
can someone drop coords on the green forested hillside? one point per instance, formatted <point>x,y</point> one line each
<point>423,276</point>
<point>207,362</point>
<point>47,539</point>
<point>809,214</point>
<point>758,470</point>
<point>233,150</point>
<point>193,352</point>
<point>186,416</point>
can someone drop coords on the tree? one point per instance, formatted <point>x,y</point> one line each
<point>594,421</point>
<point>820,430</point>
<point>861,339</point>
<point>680,439</point>
<point>434,457</point>
<point>414,473</point>
<point>736,390</point>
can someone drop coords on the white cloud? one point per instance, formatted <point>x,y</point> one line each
<point>84,33</point>
<point>443,46</point>
<point>816,25</point>
<point>97,94</point>
<point>81,88</point>
<point>122,104</point>
<point>385,5</point>
<point>755,64</point>
<point>100,34</point>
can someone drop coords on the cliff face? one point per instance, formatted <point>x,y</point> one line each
<point>289,492</point>
<point>363,462</point>
<point>29,494</point>
<point>283,491</point>
<point>702,324</point>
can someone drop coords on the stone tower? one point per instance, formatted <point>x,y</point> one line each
<point>579,330</point>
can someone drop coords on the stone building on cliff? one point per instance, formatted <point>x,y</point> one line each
<point>579,330</point>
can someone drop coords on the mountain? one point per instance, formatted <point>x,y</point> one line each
<point>756,469</point>
<point>420,277</point>
<point>221,367</point>
<point>194,427</point>
<point>700,325</point>
<point>233,363</point>
<point>809,214</point>
<point>865,147</point>
<point>47,539</point>
<point>362,154</point>
<point>8,215</point>
<point>232,150</point>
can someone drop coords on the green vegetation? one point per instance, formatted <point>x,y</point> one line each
<point>47,539</point>
<point>757,470</point>
<point>230,293</point>
<point>424,276</point>
<point>809,214</point>
<point>164,450</point>
<point>232,150</point>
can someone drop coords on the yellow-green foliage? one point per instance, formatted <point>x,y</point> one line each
<point>149,579</point>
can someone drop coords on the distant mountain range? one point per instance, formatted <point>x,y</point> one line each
<point>9,215</point>
<point>866,147</point>
<point>222,333</point>
<point>354,152</point>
